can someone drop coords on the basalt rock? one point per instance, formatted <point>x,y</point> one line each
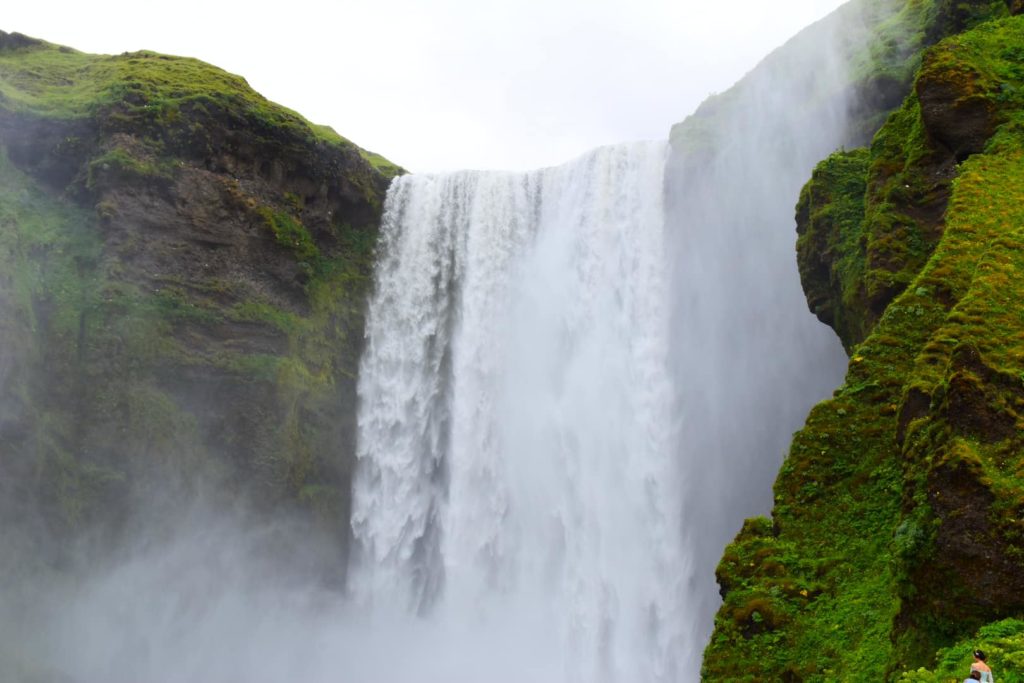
<point>184,272</point>
<point>955,108</point>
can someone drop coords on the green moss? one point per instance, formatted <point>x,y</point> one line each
<point>920,449</point>
<point>134,368</point>
<point>324,350</point>
<point>831,243</point>
<point>59,82</point>
<point>858,249</point>
<point>901,30</point>
<point>383,166</point>
<point>50,295</point>
<point>144,90</point>
<point>89,351</point>
<point>904,201</point>
<point>259,367</point>
<point>291,233</point>
<point>119,166</point>
<point>262,312</point>
<point>327,503</point>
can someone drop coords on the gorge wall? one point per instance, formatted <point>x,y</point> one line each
<point>183,270</point>
<point>896,521</point>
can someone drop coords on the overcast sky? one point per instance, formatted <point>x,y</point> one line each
<point>448,84</point>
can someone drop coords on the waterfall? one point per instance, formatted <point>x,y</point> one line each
<point>517,482</point>
<point>580,380</point>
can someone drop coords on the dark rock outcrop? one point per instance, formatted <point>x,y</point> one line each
<point>955,109</point>
<point>185,272</point>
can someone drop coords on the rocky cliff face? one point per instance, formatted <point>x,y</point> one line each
<point>183,268</point>
<point>897,528</point>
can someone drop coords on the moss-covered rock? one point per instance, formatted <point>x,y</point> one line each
<point>829,220</point>
<point>899,506</point>
<point>184,270</point>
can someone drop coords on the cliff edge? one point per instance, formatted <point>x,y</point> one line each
<point>183,274</point>
<point>895,542</point>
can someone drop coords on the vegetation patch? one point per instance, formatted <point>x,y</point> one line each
<point>830,244</point>
<point>119,166</point>
<point>1003,645</point>
<point>291,233</point>
<point>898,508</point>
<point>147,88</point>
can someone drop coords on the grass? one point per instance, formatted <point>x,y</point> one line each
<point>292,234</point>
<point>149,89</point>
<point>1003,645</point>
<point>119,165</point>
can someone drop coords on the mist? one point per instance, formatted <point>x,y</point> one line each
<point>223,596</point>
<point>749,360</point>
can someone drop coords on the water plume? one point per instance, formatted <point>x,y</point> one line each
<point>516,428</point>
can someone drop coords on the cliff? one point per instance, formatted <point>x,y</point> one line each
<point>895,541</point>
<point>183,271</point>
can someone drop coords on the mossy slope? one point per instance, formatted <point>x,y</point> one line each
<point>1003,645</point>
<point>896,528</point>
<point>184,270</point>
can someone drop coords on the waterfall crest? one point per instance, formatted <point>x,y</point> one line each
<point>517,478</point>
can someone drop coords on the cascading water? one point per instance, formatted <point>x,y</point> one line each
<point>517,478</point>
<point>580,380</point>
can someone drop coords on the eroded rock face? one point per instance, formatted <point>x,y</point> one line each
<point>183,298</point>
<point>973,570</point>
<point>954,107</point>
<point>858,250</point>
<point>980,402</point>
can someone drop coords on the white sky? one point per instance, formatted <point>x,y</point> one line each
<point>447,84</point>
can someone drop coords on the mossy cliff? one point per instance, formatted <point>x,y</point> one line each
<point>183,271</point>
<point>898,525</point>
